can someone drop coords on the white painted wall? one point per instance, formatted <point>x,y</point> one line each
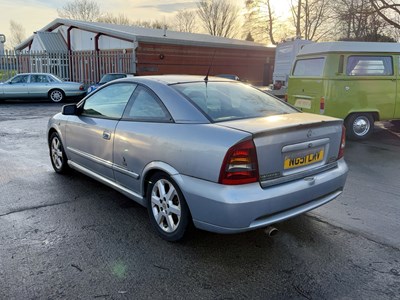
<point>106,42</point>
<point>83,41</point>
<point>36,44</point>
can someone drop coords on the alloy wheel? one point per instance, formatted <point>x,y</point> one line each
<point>166,206</point>
<point>56,152</point>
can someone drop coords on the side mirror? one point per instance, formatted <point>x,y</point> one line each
<point>10,82</point>
<point>69,110</point>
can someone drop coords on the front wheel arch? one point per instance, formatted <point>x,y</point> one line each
<point>58,157</point>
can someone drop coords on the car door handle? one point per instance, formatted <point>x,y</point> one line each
<point>106,135</point>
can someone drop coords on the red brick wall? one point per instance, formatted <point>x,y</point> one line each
<point>249,65</point>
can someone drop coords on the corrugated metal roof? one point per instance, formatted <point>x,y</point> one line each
<point>140,34</point>
<point>52,41</point>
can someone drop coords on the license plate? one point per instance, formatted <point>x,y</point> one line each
<point>303,103</point>
<point>303,159</point>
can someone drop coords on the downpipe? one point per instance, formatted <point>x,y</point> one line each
<point>271,231</point>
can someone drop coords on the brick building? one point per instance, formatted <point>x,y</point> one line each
<point>143,51</point>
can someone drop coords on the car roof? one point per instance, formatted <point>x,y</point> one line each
<point>160,84</point>
<point>34,74</point>
<point>174,79</point>
<point>345,46</point>
<point>115,74</point>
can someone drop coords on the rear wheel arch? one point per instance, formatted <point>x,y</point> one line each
<point>374,114</point>
<point>147,178</point>
<point>155,167</point>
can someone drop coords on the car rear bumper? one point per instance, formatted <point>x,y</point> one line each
<point>233,209</point>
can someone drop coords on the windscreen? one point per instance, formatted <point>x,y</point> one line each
<point>222,101</point>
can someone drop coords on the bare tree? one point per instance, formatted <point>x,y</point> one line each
<point>120,19</point>
<point>298,18</point>
<point>388,10</point>
<point>17,34</point>
<point>151,24</point>
<point>263,23</point>
<point>357,19</point>
<point>270,22</point>
<point>219,17</point>
<point>185,21</point>
<point>84,10</point>
<point>311,18</point>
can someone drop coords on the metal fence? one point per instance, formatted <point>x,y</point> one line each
<point>82,66</point>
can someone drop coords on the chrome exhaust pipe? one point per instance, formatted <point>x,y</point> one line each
<point>271,231</point>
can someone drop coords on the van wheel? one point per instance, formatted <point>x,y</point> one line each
<point>359,126</point>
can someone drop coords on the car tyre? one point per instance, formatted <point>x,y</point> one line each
<point>58,158</point>
<point>359,126</point>
<point>56,95</point>
<point>167,208</point>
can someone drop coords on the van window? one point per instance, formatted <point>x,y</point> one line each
<point>309,67</point>
<point>369,66</point>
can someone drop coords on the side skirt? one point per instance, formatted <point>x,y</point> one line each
<point>123,190</point>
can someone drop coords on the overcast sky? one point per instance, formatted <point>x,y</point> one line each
<point>35,14</point>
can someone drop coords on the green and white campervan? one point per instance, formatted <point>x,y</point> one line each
<point>356,81</point>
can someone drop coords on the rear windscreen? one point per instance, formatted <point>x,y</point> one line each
<point>222,101</point>
<point>309,67</point>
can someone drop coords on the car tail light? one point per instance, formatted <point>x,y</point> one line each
<point>322,105</point>
<point>342,143</point>
<point>240,164</point>
<point>81,88</point>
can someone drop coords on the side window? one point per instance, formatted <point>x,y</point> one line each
<point>39,79</point>
<point>34,78</point>
<point>369,66</point>
<point>309,67</point>
<point>20,79</point>
<point>109,102</point>
<point>146,107</point>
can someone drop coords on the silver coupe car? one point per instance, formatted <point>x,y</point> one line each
<point>211,153</point>
<point>40,85</point>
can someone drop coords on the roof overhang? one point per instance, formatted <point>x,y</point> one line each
<point>200,40</point>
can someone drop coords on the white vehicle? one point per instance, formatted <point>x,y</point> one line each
<point>285,54</point>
